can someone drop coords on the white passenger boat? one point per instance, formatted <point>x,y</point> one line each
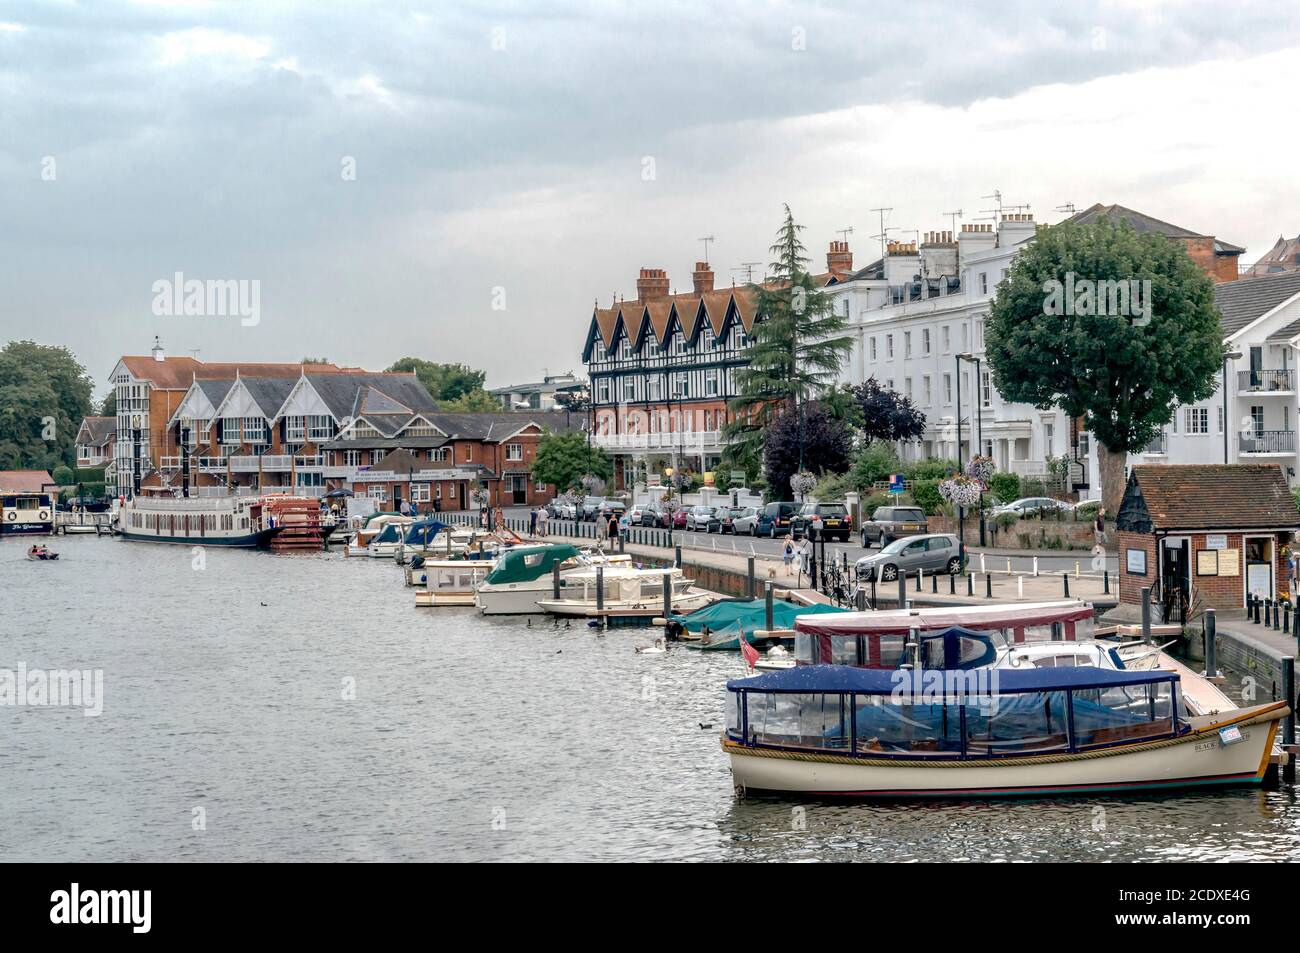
<point>26,514</point>
<point>824,730</point>
<point>525,574</point>
<point>236,521</point>
<point>624,592</point>
<point>450,582</point>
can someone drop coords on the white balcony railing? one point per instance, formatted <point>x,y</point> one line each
<point>684,440</point>
<point>1027,467</point>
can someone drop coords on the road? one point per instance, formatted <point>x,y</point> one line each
<point>1049,561</point>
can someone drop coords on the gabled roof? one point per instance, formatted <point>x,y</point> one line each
<point>268,393</point>
<point>1245,300</point>
<point>24,481</point>
<point>345,394</point>
<point>496,427</point>
<point>400,461</point>
<point>1213,496</point>
<point>96,431</point>
<point>1143,223</point>
<point>375,401</point>
<point>176,373</point>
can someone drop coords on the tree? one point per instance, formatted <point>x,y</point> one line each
<point>813,439</point>
<point>563,459</point>
<point>44,394</point>
<point>443,381</point>
<point>796,345</point>
<point>1122,373</point>
<point>471,402</point>
<point>314,360</point>
<point>885,414</point>
<point>874,463</point>
<point>108,406</point>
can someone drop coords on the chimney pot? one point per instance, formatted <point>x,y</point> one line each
<point>652,284</point>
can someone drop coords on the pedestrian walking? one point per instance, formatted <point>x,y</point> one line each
<point>542,517</point>
<point>1099,526</point>
<point>532,522</point>
<point>602,531</point>
<point>787,555</point>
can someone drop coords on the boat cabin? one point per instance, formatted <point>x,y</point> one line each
<point>877,639</point>
<point>988,713</point>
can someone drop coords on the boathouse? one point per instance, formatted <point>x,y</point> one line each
<point>1205,536</point>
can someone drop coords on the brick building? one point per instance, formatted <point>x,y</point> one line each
<point>1205,535</point>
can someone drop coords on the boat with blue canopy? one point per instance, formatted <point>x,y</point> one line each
<point>825,730</point>
<point>720,625</point>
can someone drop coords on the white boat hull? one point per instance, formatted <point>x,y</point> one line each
<point>682,602</point>
<point>1193,760</point>
<point>516,599</point>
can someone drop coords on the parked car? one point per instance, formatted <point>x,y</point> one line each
<point>1031,506</point>
<point>744,520</point>
<point>774,519</point>
<point>728,516</point>
<point>612,508</point>
<point>889,523</point>
<point>644,514</point>
<point>591,505</point>
<point>829,520</point>
<point>933,553</point>
<point>679,517</point>
<point>698,517</point>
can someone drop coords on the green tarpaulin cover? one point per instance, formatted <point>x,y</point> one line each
<point>722,618</point>
<point>526,563</point>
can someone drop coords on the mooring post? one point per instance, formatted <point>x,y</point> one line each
<point>1211,649</point>
<point>952,584</point>
<point>1065,583</point>
<point>934,582</point>
<point>1288,726</point>
<point>600,588</point>
<point>988,585</point>
<point>767,606</point>
<point>678,557</point>
<point>1105,582</point>
<point>919,574</point>
<point>902,589</point>
<point>750,572</point>
<point>555,581</point>
<point>668,596</point>
<point>970,584</point>
<point>1146,613</point>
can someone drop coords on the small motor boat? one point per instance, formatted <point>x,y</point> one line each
<point>41,554</point>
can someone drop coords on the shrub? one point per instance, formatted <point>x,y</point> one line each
<point>63,475</point>
<point>925,493</point>
<point>929,469</point>
<point>873,464</point>
<point>1032,486</point>
<point>1005,486</point>
<point>832,486</point>
<point>873,502</point>
<point>1007,520</point>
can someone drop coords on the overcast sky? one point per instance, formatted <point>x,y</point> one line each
<point>535,155</point>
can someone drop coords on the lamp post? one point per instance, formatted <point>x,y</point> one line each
<point>979,423</point>
<point>1230,356</point>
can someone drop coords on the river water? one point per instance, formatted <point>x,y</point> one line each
<point>266,707</point>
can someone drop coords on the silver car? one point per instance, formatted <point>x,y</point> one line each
<point>933,553</point>
<point>745,521</point>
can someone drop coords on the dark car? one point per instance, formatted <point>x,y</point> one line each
<point>590,507</point>
<point>728,516</point>
<point>824,521</point>
<point>889,523</point>
<point>775,519</point>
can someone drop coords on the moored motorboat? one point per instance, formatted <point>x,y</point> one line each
<point>363,535</point>
<point>823,730</point>
<point>525,574</point>
<point>450,582</point>
<point>624,592</point>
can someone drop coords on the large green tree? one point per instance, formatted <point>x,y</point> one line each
<point>796,346</point>
<point>44,394</point>
<point>563,459</point>
<point>1057,336</point>
<point>474,401</point>
<point>443,381</point>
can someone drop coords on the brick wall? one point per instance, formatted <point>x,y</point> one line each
<point>1219,592</point>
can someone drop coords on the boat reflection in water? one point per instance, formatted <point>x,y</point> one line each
<point>842,730</point>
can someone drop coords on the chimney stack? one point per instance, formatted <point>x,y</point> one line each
<point>703,276</point>
<point>652,284</point>
<point>839,258</point>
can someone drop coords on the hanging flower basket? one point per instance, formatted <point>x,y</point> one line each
<point>961,490</point>
<point>802,482</point>
<point>981,468</point>
<point>479,496</point>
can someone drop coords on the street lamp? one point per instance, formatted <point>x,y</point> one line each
<point>979,423</point>
<point>1230,356</point>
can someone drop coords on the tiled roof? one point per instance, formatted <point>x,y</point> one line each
<point>685,305</point>
<point>495,427</point>
<point>177,373</point>
<point>1242,301</point>
<point>1208,497</point>
<point>96,430</point>
<point>269,393</point>
<point>1144,223</point>
<point>1283,256</point>
<point>24,481</point>
<point>344,395</point>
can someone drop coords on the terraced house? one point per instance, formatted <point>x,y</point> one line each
<point>663,370</point>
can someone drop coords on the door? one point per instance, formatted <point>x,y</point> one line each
<point>913,557</point>
<point>1174,586</point>
<point>1259,567</point>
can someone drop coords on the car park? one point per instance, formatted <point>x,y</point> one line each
<point>932,553</point>
<point>775,519</point>
<point>888,523</point>
<point>824,521</point>
<point>744,520</point>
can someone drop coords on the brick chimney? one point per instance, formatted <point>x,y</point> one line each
<point>839,258</point>
<point>652,284</point>
<point>703,276</point>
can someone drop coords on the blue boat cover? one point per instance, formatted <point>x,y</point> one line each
<point>422,531</point>
<point>815,679</point>
<point>750,613</point>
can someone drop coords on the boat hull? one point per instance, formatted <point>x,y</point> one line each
<point>616,607</point>
<point>441,599</point>
<point>246,541</point>
<point>513,601</point>
<point>1197,759</point>
<point>26,529</point>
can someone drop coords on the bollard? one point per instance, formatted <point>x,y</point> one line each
<point>988,585</point>
<point>1105,582</point>
<point>1211,649</point>
<point>555,581</point>
<point>1146,613</point>
<point>1258,600</point>
<point>600,588</point>
<point>919,574</point>
<point>1286,618</point>
<point>750,588</point>
<point>1268,607</point>
<point>767,605</point>
<point>678,558</point>
<point>1020,587</point>
<point>622,541</point>
<point>873,590</point>
<point>1008,565</point>
<point>1288,726</point>
<point>1076,569</point>
<point>1035,567</point>
<point>970,584</point>
<point>952,584</point>
<point>981,562</point>
<point>668,595</point>
<point>1277,613</point>
<point>1065,582</point>
<point>902,590</point>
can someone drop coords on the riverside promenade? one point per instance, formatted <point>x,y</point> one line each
<point>727,563</point>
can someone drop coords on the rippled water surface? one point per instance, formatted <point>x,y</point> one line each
<point>468,738</point>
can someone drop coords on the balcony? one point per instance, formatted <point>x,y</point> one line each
<point>1159,446</point>
<point>1266,382</point>
<point>1029,468</point>
<point>684,440</point>
<point>1264,442</point>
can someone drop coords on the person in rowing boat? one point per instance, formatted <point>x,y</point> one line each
<point>39,550</point>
